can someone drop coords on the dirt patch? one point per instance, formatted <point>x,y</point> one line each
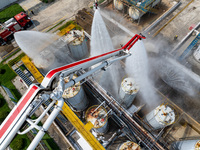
<point>5,49</point>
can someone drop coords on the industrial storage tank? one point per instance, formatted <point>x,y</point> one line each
<point>161,117</point>
<point>129,145</point>
<point>186,145</point>
<point>97,115</point>
<point>118,4</point>
<point>77,44</point>
<point>75,95</point>
<point>127,92</point>
<point>140,7</point>
<point>134,13</point>
<point>44,59</point>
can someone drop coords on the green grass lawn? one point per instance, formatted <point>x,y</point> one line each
<point>10,12</point>
<point>3,105</point>
<point>5,80</point>
<point>25,144</point>
<point>10,56</point>
<point>50,143</point>
<point>77,27</point>
<point>15,60</point>
<point>56,25</point>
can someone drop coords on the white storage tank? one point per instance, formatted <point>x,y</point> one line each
<point>134,13</point>
<point>161,117</point>
<point>129,145</point>
<point>118,4</point>
<point>186,145</point>
<point>44,59</point>
<point>97,116</point>
<point>77,44</point>
<point>75,95</point>
<point>127,92</point>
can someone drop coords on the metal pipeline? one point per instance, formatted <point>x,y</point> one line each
<point>46,125</point>
<point>17,127</point>
<point>35,122</point>
<point>83,76</point>
<point>86,63</point>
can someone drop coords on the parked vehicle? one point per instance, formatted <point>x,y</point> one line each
<point>19,22</point>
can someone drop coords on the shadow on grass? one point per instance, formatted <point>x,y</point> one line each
<point>52,144</point>
<point>2,102</point>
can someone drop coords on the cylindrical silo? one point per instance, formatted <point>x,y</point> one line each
<point>186,145</point>
<point>77,44</point>
<point>97,116</point>
<point>75,95</point>
<point>134,13</point>
<point>118,4</point>
<point>127,92</point>
<point>44,59</point>
<point>161,117</point>
<point>129,146</point>
<point>137,9</point>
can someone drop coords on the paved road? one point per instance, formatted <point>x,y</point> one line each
<point>46,15</point>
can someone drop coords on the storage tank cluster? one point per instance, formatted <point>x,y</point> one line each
<point>136,8</point>
<point>97,115</point>
<point>186,145</point>
<point>75,95</point>
<point>161,117</point>
<point>77,44</point>
<point>127,92</point>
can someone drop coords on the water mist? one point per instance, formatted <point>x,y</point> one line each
<point>137,67</point>
<point>176,75</point>
<point>46,51</point>
<point>101,43</point>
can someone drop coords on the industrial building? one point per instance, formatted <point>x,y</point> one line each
<point>93,116</point>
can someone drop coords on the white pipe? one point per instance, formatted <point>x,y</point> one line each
<point>83,76</point>
<point>46,125</point>
<point>44,112</point>
<point>87,34</point>
<point>98,107</point>
<point>82,65</point>
<point>34,123</point>
<point>17,126</point>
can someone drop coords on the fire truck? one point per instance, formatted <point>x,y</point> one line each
<point>19,22</point>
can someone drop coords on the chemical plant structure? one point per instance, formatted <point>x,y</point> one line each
<point>88,115</point>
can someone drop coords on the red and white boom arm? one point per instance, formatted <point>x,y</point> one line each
<point>37,94</point>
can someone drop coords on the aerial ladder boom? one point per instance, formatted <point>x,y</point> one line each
<point>52,88</point>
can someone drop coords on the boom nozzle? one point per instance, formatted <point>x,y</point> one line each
<point>96,4</point>
<point>134,39</point>
<point>142,36</point>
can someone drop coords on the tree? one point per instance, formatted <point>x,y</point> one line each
<point>2,71</point>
